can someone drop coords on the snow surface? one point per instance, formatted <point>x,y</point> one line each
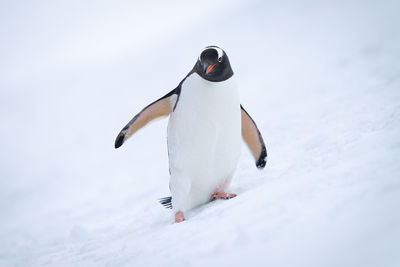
<point>320,78</point>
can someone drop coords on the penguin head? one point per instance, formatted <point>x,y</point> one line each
<point>213,64</point>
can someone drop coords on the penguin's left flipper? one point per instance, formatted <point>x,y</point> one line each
<point>159,108</point>
<point>253,139</point>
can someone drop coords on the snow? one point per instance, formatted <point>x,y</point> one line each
<point>321,79</point>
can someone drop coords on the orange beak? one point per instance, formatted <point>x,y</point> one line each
<point>210,68</point>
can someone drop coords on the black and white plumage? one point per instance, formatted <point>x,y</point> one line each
<point>205,129</point>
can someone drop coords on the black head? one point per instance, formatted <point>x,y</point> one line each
<point>213,65</point>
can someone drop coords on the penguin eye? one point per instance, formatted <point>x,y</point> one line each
<point>220,59</point>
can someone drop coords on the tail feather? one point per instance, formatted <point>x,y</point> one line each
<point>166,202</point>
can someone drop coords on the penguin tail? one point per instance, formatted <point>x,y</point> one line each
<point>166,202</point>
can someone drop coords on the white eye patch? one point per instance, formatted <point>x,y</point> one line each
<point>219,51</point>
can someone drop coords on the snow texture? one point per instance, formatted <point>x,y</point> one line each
<point>320,78</point>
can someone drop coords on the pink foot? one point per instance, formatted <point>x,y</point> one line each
<point>179,217</point>
<point>221,195</point>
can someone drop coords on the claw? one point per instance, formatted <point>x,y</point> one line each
<point>223,195</point>
<point>179,217</point>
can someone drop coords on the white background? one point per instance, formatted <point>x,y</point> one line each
<point>320,78</point>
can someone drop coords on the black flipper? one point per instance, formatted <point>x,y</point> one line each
<point>159,108</point>
<point>253,139</point>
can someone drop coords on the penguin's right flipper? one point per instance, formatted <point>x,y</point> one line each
<point>159,108</point>
<point>253,139</point>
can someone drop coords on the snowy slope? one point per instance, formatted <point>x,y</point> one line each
<point>321,79</point>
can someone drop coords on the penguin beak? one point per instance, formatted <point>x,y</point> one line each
<point>210,68</point>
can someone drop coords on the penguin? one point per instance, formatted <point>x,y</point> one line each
<point>205,130</point>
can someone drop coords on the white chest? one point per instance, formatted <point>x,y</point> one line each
<point>204,135</point>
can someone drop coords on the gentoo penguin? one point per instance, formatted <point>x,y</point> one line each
<point>205,129</point>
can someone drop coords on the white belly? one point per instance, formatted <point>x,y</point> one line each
<point>204,139</point>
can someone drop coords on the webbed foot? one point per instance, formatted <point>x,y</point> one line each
<point>222,195</point>
<point>179,217</point>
